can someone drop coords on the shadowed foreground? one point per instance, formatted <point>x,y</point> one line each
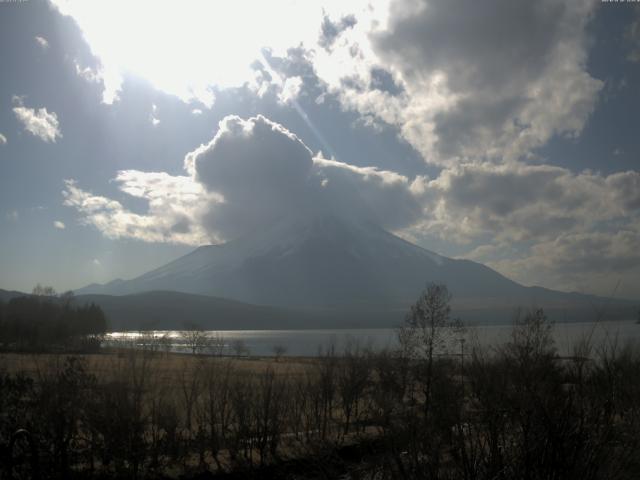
<point>519,411</point>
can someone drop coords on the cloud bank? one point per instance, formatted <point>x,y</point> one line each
<point>521,203</point>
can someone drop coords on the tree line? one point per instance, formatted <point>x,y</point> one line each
<point>45,321</point>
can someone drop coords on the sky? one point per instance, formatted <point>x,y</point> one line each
<point>498,131</point>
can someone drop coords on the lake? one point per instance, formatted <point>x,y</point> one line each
<point>308,342</point>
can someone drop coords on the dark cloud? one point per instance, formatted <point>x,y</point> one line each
<point>476,80</point>
<point>382,197</point>
<point>473,119</point>
<point>587,261</point>
<point>259,168</point>
<point>633,37</point>
<point>518,202</point>
<point>626,187</point>
<point>254,172</point>
<point>382,79</point>
<point>502,191</point>
<point>263,172</point>
<point>481,45</point>
<point>330,30</point>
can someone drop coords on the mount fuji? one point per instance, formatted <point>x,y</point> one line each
<point>330,263</point>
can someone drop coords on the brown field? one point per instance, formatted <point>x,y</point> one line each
<point>170,366</point>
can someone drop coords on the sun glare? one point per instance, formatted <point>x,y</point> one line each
<point>184,48</point>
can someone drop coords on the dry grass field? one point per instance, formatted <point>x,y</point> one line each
<point>170,365</point>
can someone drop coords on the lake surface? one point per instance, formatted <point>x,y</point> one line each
<point>309,342</point>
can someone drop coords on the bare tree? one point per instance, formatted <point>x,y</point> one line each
<point>195,338</point>
<point>428,329</point>
<point>165,343</point>
<point>216,344</point>
<point>531,337</point>
<point>268,414</point>
<point>242,437</point>
<point>215,406</point>
<point>239,347</point>
<point>326,379</point>
<point>43,291</point>
<point>279,351</point>
<point>352,381</point>
<point>67,298</point>
<point>190,382</point>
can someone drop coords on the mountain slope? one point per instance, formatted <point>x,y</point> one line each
<point>320,262</point>
<point>326,262</point>
<point>6,295</point>
<point>159,310</point>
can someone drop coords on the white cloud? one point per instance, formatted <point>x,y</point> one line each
<point>13,215</point>
<point>96,263</point>
<point>3,139</point>
<point>173,204</point>
<point>59,225</point>
<point>467,81</point>
<point>291,89</point>
<point>42,42</point>
<point>474,87</point>
<point>40,122</point>
<point>154,115</point>
<point>110,80</point>
<point>87,73</point>
<point>461,82</point>
<point>253,172</point>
